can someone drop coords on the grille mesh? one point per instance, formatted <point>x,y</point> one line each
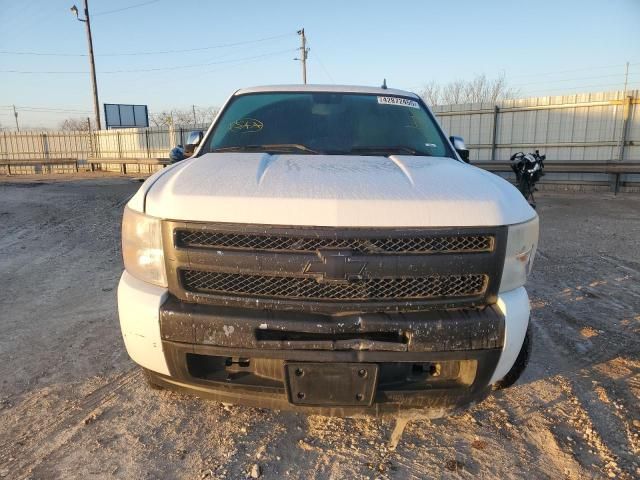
<point>308,288</point>
<point>426,244</point>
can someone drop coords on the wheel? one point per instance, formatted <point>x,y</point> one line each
<point>527,188</point>
<point>523,187</point>
<point>519,365</point>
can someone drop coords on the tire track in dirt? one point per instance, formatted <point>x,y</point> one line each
<point>91,401</point>
<point>586,316</point>
<point>598,426</point>
<point>585,322</point>
<point>20,452</point>
<point>593,312</point>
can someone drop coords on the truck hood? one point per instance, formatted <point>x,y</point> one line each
<point>334,190</point>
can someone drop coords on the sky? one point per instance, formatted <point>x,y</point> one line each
<point>169,54</point>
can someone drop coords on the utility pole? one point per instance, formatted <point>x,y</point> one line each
<point>94,83</point>
<point>193,109</point>
<point>15,114</point>
<point>626,108</point>
<point>303,55</point>
<point>91,143</point>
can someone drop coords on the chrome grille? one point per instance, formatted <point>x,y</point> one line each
<point>300,288</point>
<point>390,244</point>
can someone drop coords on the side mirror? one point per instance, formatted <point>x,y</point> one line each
<point>193,140</point>
<point>460,147</point>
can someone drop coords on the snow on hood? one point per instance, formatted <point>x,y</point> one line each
<point>335,190</point>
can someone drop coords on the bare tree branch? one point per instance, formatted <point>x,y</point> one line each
<point>432,93</point>
<point>184,118</point>
<point>478,90</point>
<point>74,125</point>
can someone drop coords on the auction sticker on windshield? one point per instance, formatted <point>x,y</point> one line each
<point>246,125</point>
<point>403,102</point>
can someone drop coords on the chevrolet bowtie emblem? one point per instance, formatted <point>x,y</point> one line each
<point>336,266</point>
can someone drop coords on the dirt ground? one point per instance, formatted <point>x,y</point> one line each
<point>72,404</point>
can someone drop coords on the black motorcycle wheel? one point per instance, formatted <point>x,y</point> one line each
<point>524,187</point>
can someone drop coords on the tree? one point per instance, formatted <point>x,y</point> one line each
<point>479,89</point>
<point>188,117</point>
<point>75,124</point>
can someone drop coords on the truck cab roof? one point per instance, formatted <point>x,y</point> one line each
<point>326,88</point>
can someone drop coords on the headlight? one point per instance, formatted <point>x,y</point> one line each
<point>522,241</point>
<point>142,247</point>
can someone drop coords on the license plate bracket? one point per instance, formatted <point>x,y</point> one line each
<point>331,384</point>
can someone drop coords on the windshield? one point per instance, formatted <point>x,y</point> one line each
<point>326,123</point>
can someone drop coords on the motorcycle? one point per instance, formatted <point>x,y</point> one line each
<point>528,169</point>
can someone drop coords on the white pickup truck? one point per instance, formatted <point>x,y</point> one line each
<point>327,249</point>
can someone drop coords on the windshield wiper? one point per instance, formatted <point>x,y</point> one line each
<point>273,147</point>
<point>390,149</point>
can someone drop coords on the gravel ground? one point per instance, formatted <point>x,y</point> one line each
<point>73,405</point>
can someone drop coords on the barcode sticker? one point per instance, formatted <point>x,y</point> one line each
<point>403,102</point>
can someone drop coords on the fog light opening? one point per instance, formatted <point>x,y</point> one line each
<point>431,369</point>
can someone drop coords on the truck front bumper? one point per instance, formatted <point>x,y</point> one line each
<point>432,362</point>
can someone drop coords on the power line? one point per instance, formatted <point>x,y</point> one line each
<point>125,8</point>
<point>198,65</point>
<point>620,75</point>
<point>8,107</point>
<point>142,70</point>
<point>44,54</point>
<point>43,72</point>
<point>324,69</point>
<point>240,61</point>
<point>48,112</point>
<point>13,110</point>
<point>572,79</point>
<point>574,88</point>
<point>158,84</point>
<point>203,64</point>
<point>211,47</point>
<point>553,72</point>
<point>52,110</point>
<point>158,52</point>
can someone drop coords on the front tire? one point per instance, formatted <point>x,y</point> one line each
<point>519,365</point>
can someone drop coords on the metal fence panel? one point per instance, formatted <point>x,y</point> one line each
<point>587,126</point>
